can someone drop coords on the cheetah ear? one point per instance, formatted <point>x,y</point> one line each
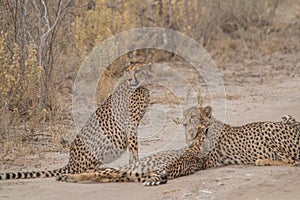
<point>129,67</point>
<point>208,111</point>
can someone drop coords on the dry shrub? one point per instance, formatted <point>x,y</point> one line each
<point>202,20</point>
<point>19,86</point>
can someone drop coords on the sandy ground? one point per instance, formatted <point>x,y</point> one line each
<point>234,182</point>
<point>256,90</point>
<point>278,96</point>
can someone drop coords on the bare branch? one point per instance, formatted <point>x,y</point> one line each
<point>25,28</point>
<point>46,15</point>
<point>57,18</point>
<point>38,16</point>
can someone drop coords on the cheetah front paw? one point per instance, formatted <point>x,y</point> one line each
<point>157,179</point>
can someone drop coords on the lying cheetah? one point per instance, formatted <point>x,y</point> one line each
<point>259,143</point>
<point>152,170</point>
<point>110,130</point>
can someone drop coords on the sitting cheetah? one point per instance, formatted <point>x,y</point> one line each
<point>259,143</point>
<point>154,169</point>
<point>110,130</point>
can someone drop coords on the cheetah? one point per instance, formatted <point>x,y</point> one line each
<point>259,143</point>
<point>152,170</point>
<point>110,130</point>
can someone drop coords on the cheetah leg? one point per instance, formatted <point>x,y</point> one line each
<point>156,178</point>
<point>105,175</point>
<point>101,175</point>
<point>89,177</point>
<point>284,159</point>
<point>73,178</point>
<point>269,162</point>
<point>133,146</point>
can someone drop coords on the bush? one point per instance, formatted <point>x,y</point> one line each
<point>19,85</point>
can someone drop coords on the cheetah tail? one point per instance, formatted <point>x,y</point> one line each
<point>37,174</point>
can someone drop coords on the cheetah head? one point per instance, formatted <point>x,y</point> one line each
<point>193,118</point>
<point>140,74</point>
